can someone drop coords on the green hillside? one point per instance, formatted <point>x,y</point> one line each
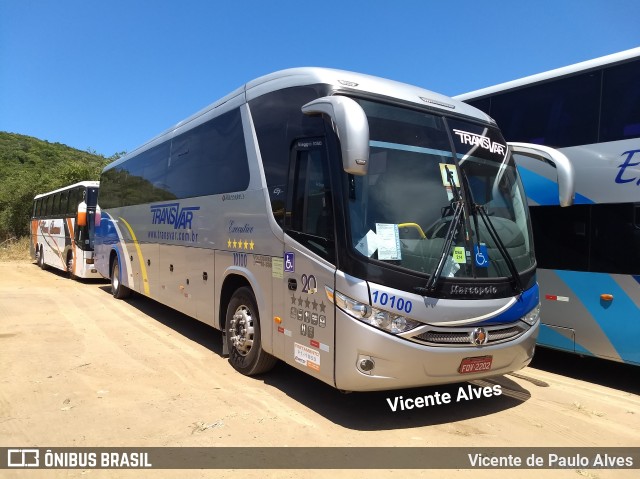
<point>29,166</point>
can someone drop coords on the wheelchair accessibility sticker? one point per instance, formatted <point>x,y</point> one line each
<point>481,255</point>
<point>289,262</point>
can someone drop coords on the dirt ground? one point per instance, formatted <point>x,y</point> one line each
<point>79,368</point>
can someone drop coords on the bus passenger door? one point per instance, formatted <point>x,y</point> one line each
<point>309,263</point>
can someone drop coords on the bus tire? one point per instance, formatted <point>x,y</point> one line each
<point>41,259</point>
<point>70,265</point>
<point>243,335</point>
<point>118,290</point>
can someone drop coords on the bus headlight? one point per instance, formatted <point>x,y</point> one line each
<point>385,320</point>
<point>532,316</point>
<point>352,307</point>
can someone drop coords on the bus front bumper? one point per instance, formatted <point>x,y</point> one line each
<point>368,359</point>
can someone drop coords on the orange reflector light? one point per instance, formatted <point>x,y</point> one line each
<point>277,320</point>
<point>606,297</point>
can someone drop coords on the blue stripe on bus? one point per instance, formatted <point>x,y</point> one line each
<point>620,329</point>
<point>525,303</point>
<point>411,148</point>
<point>551,338</point>
<point>543,191</point>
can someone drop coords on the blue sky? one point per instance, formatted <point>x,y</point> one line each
<point>109,75</point>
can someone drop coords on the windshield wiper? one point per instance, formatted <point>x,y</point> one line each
<point>458,208</point>
<point>444,254</point>
<point>475,209</point>
<point>501,247</point>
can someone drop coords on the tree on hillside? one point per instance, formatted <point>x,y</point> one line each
<point>29,166</point>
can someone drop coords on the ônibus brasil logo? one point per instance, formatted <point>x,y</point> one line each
<point>172,214</point>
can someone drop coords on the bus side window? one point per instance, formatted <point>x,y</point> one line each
<point>561,236</point>
<point>64,203</point>
<point>55,207</point>
<point>311,212</point>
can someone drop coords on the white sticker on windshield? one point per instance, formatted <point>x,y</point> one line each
<point>450,268</point>
<point>444,169</point>
<point>388,241</point>
<point>368,244</point>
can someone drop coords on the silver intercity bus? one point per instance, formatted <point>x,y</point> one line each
<point>370,233</point>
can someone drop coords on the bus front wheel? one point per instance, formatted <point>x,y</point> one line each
<point>118,290</point>
<point>243,335</point>
<point>70,265</point>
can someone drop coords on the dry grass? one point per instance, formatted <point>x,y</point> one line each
<point>15,249</point>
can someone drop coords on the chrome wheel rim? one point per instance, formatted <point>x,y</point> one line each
<point>241,330</point>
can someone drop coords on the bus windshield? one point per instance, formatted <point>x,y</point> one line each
<point>403,212</point>
<point>92,197</point>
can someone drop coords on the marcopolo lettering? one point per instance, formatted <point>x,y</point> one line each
<point>474,290</point>
<point>172,214</point>
<point>473,139</point>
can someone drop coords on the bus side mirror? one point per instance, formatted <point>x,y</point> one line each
<point>564,168</point>
<point>351,126</point>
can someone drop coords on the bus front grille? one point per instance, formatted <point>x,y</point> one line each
<point>462,336</point>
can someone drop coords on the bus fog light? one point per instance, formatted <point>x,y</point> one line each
<point>532,316</point>
<point>365,364</point>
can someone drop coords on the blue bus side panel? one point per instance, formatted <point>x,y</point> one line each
<point>604,329</point>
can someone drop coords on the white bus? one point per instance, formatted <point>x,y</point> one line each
<point>62,229</point>
<point>589,254</point>
<point>372,234</point>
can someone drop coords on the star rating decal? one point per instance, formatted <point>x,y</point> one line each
<point>314,305</point>
<point>246,245</point>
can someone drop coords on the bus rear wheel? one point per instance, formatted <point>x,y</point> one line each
<point>41,258</point>
<point>243,335</point>
<point>118,290</point>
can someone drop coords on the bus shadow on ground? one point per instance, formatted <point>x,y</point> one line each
<point>189,327</point>
<point>386,410</point>
<point>592,370</point>
<point>64,275</point>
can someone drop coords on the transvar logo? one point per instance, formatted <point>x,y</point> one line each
<point>172,214</point>
<point>468,138</point>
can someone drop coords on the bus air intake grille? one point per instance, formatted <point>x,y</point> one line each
<point>462,336</point>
